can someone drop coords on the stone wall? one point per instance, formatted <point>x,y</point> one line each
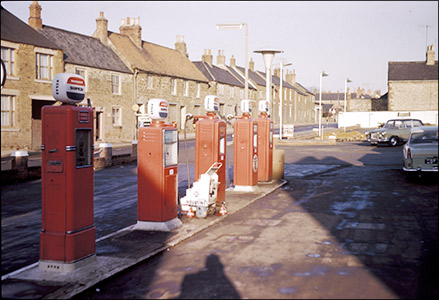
<point>25,87</point>
<point>413,95</point>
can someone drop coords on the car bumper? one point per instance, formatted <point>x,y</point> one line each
<point>420,169</point>
<point>378,140</point>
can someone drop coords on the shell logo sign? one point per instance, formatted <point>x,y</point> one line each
<point>68,88</point>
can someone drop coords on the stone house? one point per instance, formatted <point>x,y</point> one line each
<point>159,72</point>
<point>31,61</point>
<point>413,86</point>
<point>298,104</point>
<point>108,83</point>
<point>229,87</point>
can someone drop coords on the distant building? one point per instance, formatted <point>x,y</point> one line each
<point>414,85</point>
<point>226,85</point>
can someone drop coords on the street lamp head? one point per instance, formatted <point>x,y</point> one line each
<point>268,55</point>
<point>324,74</point>
<point>235,26</point>
<point>348,80</point>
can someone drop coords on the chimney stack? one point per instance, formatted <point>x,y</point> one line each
<point>221,59</point>
<point>35,20</point>
<point>291,77</point>
<point>430,55</point>
<point>232,62</point>
<point>251,65</point>
<point>207,58</point>
<point>180,45</point>
<point>134,31</point>
<point>101,31</point>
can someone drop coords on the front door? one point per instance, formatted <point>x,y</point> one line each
<point>36,122</point>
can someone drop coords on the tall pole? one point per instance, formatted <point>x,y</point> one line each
<point>246,60</point>
<point>345,92</point>
<point>280,101</point>
<point>320,107</point>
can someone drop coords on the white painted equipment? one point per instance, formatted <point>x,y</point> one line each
<point>202,195</point>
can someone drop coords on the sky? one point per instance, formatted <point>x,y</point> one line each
<point>345,39</point>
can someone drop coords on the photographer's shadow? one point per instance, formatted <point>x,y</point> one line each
<point>210,282</point>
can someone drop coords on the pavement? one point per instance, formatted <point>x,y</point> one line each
<point>119,251</point>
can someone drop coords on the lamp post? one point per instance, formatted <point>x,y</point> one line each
<point>345,92</point>
<point>268,55</point>
<point>281,64</point>
<point>323,74</point>
<point>238,26</point>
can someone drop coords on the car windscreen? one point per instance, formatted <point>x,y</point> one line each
<point>424,138</point>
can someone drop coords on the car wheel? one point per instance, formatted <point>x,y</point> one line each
<point>393,141</point>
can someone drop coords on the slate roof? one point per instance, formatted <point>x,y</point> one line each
<point>340,96</point>
<point>303,88</point>
<point>84,50</point>
<point>242,77</point>
<point>156,59</point>
<point>214,73</point>
<point>416,70</point>
<point>15,30</point>
<point>253,76</point>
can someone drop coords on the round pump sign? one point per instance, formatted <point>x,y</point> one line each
<point>211,103</point>
<point>68,88</point>
<point>158,109</point>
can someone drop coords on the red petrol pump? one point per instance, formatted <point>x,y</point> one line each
<point>245,156</point>
<point>265,143</point>
<point>157,166</point>
<point>210,144</point>
<point>67,238</point>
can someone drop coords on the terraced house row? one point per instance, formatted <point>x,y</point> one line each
<point>122,72</point>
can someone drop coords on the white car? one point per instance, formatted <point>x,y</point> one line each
<point>421,150</point>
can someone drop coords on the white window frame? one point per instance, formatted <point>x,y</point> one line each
<point>85,76</point>
<point>116,115</point>
<point>9,60</point>
<point>220,89</point>
<point>114,85</point>
<point>186,88</point>
<point>8,111</point>
<point>198,90</point>
<point>39,66</point>
<point>173,86</point>
<point>149,82</point>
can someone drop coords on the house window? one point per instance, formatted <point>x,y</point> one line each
<point>186,88</point>
<point>149,82</point>
<point>8,111</point>
<point>232,92</point>
<point>173,86</point>
<point>9,60</point>
<point>81,72</point>
<point>220,89</point>
<point>116,114</point>
<point>198,90</point>
<point>43,66</point>
<point>241,94</point>
<point>115,84</point>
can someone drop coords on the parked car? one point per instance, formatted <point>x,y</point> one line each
<point>394,132</point>
<point>421,150</point>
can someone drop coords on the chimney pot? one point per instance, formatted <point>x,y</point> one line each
<point>35,20</point>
